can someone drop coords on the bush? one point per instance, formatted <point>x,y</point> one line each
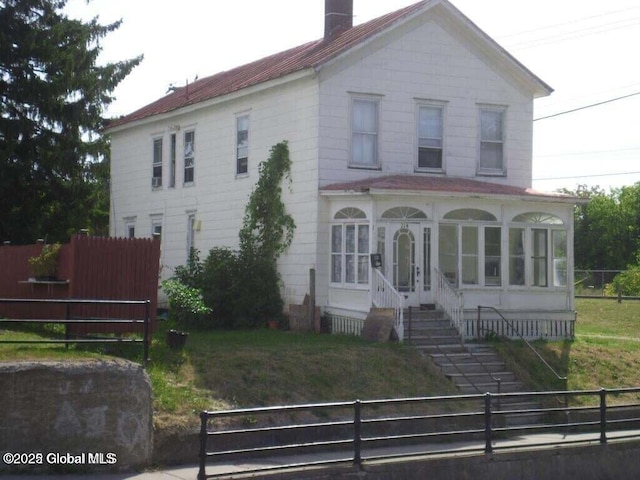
<point>186,304</point>
<point>627,283</point>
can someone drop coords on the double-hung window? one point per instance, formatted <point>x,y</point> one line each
<point>156,179</point>
<point>430,137</point>
<point>364,133</point>
<point>492,122</point>
<point>189,156</point>
<point>242,144</point>
<point>172,161</point>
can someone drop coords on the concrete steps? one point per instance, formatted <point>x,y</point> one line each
<point>472,368</point>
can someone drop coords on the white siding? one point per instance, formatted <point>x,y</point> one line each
<point>422,61</point>
<point>217,197</point>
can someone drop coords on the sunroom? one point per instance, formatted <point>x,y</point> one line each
<point>512,254</point>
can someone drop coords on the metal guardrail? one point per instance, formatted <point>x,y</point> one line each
<point>514,329</point>
<point>69,320</point>
<point>354,437</point>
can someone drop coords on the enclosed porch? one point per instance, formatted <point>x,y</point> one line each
<point>404,248</point>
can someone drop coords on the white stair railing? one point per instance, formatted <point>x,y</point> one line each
<point>450,299</point>
<point>383,295</point>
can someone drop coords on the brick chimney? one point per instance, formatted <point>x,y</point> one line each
<point>338,17</point>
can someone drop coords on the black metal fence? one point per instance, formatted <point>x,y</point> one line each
<point>71,319</point>
<point>362,431</point>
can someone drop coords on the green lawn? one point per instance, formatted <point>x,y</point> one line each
<point>604,354</point>
<point>228,369</point>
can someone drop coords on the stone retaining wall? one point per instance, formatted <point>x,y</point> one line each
<point>65,416</point>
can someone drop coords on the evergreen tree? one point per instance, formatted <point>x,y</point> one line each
<point>52,96</point>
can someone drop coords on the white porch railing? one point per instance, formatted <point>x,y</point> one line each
<point>450,299</point>
<point>383,295</point>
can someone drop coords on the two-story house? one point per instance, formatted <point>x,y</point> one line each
<point>410,137</point>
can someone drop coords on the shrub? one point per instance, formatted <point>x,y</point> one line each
<point>627,283</point>
<point>186,304</point>
<point>242,288</point>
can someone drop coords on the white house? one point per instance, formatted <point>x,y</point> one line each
<point>410,137</point>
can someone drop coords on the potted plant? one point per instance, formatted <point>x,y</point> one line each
<point>44,265</point>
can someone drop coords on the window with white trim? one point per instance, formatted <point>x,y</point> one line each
<point>191,233</point>
<point>470,250</point>
<point>430,137</point>
<point>364,133</point>
<point>156,179</point>
<point>492,120</point>
<point>350,248</point>
<point>538,251</point>
<point>172,160</point>
<point>242,144</point>
<point>189,156</point>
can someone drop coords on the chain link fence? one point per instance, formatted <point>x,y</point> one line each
<point>593,282</point>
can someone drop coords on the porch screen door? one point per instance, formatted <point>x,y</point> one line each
<point>407,262</point>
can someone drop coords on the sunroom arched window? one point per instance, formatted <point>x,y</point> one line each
<point>538,250</point>
<point>350,247</point>
<point>470,214</point>
<point>404,213</point>
<point>470,247</point>
<point>538,217</point>
<point>349,213</point>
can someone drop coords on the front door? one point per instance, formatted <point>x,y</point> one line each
<point>409,262</point>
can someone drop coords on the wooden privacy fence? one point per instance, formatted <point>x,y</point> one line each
<point>96,268</point>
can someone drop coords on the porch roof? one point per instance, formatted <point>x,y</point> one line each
<point>442,185</point>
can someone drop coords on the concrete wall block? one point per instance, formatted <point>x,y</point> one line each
<point>82,410</point>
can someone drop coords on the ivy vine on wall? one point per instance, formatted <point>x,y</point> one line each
<point>267,227</point>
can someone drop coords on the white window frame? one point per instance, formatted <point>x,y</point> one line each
<point>373,134</point>
<point>173,151</point>
<point>551,259</point>
<point>158,154</point>
<point>189,157</point>
<point>482,169</point>
<point>360,254</point>
<point>432,140</point>
<point>191,233</point>
<point>242,151</point>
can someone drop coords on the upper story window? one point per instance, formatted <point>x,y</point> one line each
<point>491,161</point>
<point>189,156</point>
<point>172,161</point>
<point>364,133</point>
<point>242,144</point>
<point>430,137</point>
<point>156,179</point>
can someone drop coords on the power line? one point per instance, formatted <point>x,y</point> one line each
<point>587,153</point>
<point>586,176</point>
<point>571,22</point>
<point>587,106</point>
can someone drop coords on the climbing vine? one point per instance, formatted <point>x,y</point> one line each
<point>239,289</point>
<point>267,228</point>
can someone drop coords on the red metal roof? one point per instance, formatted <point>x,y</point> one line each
<point>309,55</point>
<point>441,184</point>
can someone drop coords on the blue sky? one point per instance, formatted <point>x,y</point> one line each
<point>585,49</point>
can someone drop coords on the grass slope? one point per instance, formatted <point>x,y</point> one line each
<point>220,370</point>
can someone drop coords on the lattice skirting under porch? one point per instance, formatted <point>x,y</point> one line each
<point>345,325</point>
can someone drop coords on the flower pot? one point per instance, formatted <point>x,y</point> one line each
<point>273,324</point>
<point>176,339</point>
